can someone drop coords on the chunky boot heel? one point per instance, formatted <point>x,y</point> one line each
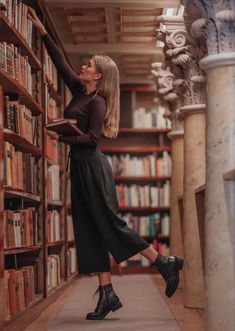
<point>169,267</point>
<point>108,301</point>
<point>117,306</point>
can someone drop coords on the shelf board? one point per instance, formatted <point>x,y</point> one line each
<point>21,143</point>
<point>134,149</point>
<point>142,131</point>
<point>56,243</point>
<point>71,241</point>
<point>11,86</point>
<point>10,192</point>
<point>38,297</point>
<point>16,250</point>
<point>142,209</point>
<point>10,34</point>
<point>140,178</point>
<point>55,203</point>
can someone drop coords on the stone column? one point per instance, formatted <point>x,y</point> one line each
<point>184,53</point>
<point>164,81</point>
<point>218,26</point>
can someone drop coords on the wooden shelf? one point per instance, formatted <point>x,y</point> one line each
<point>143,209</point>
<point>21,143</point>
<point>71,241</point>
<point>10,34</point>
<point>56,243</point>
<point>55,203</point>
<point>140,178</point>
<point>17,250</point>
<point>10,193</point>
<point>142,131</point>
<point>11,86</point>
<point>135,149</point>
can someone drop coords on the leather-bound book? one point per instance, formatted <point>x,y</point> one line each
<point>65,127</point>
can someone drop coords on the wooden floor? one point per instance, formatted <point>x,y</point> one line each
<point>187,319</point>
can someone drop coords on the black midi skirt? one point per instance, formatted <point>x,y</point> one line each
<point>98,229</point>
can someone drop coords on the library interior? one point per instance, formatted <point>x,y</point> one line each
<point>117,165</point>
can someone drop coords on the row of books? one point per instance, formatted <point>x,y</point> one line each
<point>155,224</point>
<point>50,71</point>
<point>144,195</point>
<point>19,119</point>
<point>16,65</point>
<point>20,169</point>
<point>72,261</point>
<point>51,108</point>
<point>53,268</point>
<point>149,165</point>
<point>21,228</point>
<point>52,149</point>
<point>53,182</point>
<point>70,231</point>
<point>53,226</point>
<point>154,118</point>
<point>18,290</point>
<point>17,14</point>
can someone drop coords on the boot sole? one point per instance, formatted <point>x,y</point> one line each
<point>101,317</point>
<point>179,266</point>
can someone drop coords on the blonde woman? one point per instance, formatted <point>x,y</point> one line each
<point>97,227</point>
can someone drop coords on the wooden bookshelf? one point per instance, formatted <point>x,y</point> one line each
<point>13,199</point>
<point>141,131</point>
<point>143,210</point>
<point>135,149</point>
<point>136,179</point>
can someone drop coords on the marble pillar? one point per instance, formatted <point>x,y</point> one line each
<point>220,158</point>
<point>194,176</point>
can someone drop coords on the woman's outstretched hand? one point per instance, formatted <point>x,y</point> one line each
<point>37,23</point>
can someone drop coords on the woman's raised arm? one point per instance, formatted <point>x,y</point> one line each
<point>68,75</point>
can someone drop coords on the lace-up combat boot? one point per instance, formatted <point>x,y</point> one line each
<point>169,267</point>
<point>108,301</point>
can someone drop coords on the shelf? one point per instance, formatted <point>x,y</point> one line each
<point>55,203</point>
<point>10,193</point>
<point>21,143</point>
<point>135,149</point>
<point>10,34</point>
<point>71,241</point>
<point>146,210</point>
<point>56,243</point>
<point>142,131</point>
<point>53,93</point>
<point>38,297</point>
<point>17,250</point>
<point>11,86</point>
<point>140,178</point>
<point>51,162</point>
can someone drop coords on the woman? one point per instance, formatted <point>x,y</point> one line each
<point>97,227</point>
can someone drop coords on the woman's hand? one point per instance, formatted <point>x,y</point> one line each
<point>37,23</point>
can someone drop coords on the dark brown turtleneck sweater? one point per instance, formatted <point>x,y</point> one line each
<point>88,110</point>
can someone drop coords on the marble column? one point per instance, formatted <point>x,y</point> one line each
<point>217,24</point>
<point>183,52</point>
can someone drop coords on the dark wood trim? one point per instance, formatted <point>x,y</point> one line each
<point>11,193</point>
<point>17,250</point>
<point>134,149</point>
<point>56,243</point>
<point>141,178</point>
<point>142,209</point>
<point>1,209</point>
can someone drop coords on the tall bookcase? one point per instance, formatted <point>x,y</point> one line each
<point>35,253</point>
<point>128,155</point>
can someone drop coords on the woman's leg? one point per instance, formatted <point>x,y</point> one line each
<point>149,253</point>
<point>104,278</point>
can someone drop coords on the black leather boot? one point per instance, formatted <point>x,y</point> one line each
<point>169,267</point>
<point>108,301</point>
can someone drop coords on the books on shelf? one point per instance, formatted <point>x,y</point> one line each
<point>52,149</point>
<point>70,231</point>
<point>51,108</point>
<point>53,182</point>
<point>154,118</point>
<point>50,71</point>
<point>149,165</point>
<point>53,268</point>
<point>65,127</point>
<point>72,261</point>
<point>144,195</point>
<point>53,226</point>
<point>21,228</point>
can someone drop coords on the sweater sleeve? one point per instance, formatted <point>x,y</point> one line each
<point>68,75</point>
<point>96,119</point>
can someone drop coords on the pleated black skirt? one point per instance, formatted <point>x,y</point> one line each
<point>97,227</point>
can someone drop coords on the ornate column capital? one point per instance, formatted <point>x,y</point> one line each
<point>216,23</point>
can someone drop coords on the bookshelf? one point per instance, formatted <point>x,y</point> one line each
<point>140,159</point>
<point>35,252</point>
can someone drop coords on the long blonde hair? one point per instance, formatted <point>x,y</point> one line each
<point>108,88</point>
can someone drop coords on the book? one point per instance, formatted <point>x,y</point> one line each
<point>65,127</point>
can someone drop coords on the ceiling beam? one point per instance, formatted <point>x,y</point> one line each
<point>121,48</point>
<point>110,23</point>
<point>114,3</point>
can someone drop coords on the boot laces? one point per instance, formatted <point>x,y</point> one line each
<point>96,292</point>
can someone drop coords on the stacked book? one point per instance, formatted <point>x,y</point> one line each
<point>147,119</point>
<point>53,226</point>
<point>72,260</point>
<point>53,182</point>
<point>53,268</point>
<point>70,231</point>
<point>52,149</point>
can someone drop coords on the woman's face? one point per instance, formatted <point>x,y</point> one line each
<point>88,72</point>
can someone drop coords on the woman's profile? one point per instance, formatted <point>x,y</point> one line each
<point>97,227</point>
